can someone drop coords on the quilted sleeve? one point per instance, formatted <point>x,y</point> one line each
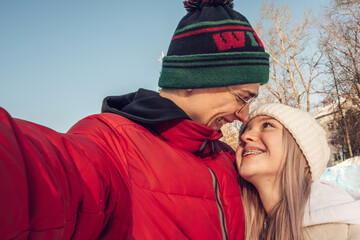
<point>61,186</point>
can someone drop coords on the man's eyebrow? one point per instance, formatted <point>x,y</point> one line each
<point>250,93</point>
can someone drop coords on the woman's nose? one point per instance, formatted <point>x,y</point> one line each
<point>249,136</point>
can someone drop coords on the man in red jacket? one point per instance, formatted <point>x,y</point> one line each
<point>150,166</point>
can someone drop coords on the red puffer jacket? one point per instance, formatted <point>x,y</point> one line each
<point>111,178</point>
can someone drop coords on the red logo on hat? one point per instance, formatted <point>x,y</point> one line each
<point>228,40</point>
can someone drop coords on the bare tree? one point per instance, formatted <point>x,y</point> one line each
<point>294,64</point>
<point>292,70</point>
<point>342,136</point>
<point>340,42</point>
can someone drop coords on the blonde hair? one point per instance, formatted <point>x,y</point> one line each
<point>284,220</point>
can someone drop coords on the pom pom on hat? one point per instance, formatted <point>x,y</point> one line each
<point>307,132</point>
<point>193,5</point>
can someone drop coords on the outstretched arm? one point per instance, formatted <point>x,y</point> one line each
<point>55,185</point>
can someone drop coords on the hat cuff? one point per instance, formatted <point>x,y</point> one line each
<point>214,70</point>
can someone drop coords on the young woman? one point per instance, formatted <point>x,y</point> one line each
<point>282,154</point>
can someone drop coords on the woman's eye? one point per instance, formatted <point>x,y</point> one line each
<point>267,124</point>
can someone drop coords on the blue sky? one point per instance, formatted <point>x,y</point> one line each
<point>59,59</point>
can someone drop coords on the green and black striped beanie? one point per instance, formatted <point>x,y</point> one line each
<point>213,46</point>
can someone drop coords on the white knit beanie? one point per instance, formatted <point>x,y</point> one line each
<point>307,132</point>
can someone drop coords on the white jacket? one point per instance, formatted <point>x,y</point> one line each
<point>331,213</point>
<point>330,203</point>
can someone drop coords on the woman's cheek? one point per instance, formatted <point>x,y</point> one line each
<point>238,156</point>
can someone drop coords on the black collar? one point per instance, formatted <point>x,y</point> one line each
<point>144,107</point>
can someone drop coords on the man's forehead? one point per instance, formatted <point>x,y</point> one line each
<point>251,89</point>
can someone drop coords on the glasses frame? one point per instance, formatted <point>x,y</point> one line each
<point>245,102</point>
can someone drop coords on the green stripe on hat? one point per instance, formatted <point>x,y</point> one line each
<point>209,60</point>
<point>212,23</point>
<point>214,70</point>
<point>218,56</point>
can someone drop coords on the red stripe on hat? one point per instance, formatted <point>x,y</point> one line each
<point>260,43</point>
<point>210,30</point>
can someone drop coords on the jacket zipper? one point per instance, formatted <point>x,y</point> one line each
<point>221,210</point>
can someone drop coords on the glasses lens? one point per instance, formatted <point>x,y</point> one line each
<point>245,103</point>
<point>242,107</point>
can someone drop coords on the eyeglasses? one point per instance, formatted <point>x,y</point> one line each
<point>245,102</point>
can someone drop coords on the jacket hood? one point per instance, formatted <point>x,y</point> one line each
<point>329,203</point>
<point>143,107</point>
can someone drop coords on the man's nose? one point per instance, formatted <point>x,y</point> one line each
<point>243,115</point>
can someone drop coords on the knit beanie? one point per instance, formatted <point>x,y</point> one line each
<point>307,132</point>
<point>213,46</point>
